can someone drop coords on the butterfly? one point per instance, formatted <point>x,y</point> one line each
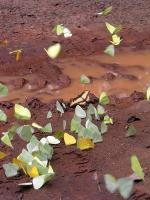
<point>116,40</point>
<point>112,29</point>
<point>69,139</point>
<point>110,50</point>
<point>60,29</point>
<point>106,11</point>
<point>82,99</point>
<point>53,51</point>
<point>17,52</point>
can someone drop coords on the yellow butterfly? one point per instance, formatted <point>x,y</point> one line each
<point>58,29</point>
<point>85,143</point>
<point>61,29</point>
<point>32,171</point>
<point>18,53</point>
<point>22,112</point>
<point>69,139</point>
<point>136,167</point>
<point>2,155</point>
<point>106,11</point>
<point>20,164</point>
<point>112,29</point>
<point>116,40</point>
<point>53,51</point>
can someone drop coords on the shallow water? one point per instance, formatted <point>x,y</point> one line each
<point>134,63</point>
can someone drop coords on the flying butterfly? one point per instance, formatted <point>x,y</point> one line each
<point>110,50</point>
<point>116,40</point>
<point>18,53</point>
<point>53,51</point>
<point>112,29</point>
<point>106,11</point>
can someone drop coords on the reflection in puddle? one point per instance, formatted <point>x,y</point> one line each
<point>122,68</point>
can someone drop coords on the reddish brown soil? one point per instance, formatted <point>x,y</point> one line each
<point>27,25</point>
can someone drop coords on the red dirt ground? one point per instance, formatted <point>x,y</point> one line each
<point>27,25</point>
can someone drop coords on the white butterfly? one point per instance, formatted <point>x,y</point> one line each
<point>67,33</point>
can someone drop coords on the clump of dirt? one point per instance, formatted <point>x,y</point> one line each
<point>112,76</point>
<point>18,83</point>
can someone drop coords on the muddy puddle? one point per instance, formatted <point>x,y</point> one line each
<point>121,75</point>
